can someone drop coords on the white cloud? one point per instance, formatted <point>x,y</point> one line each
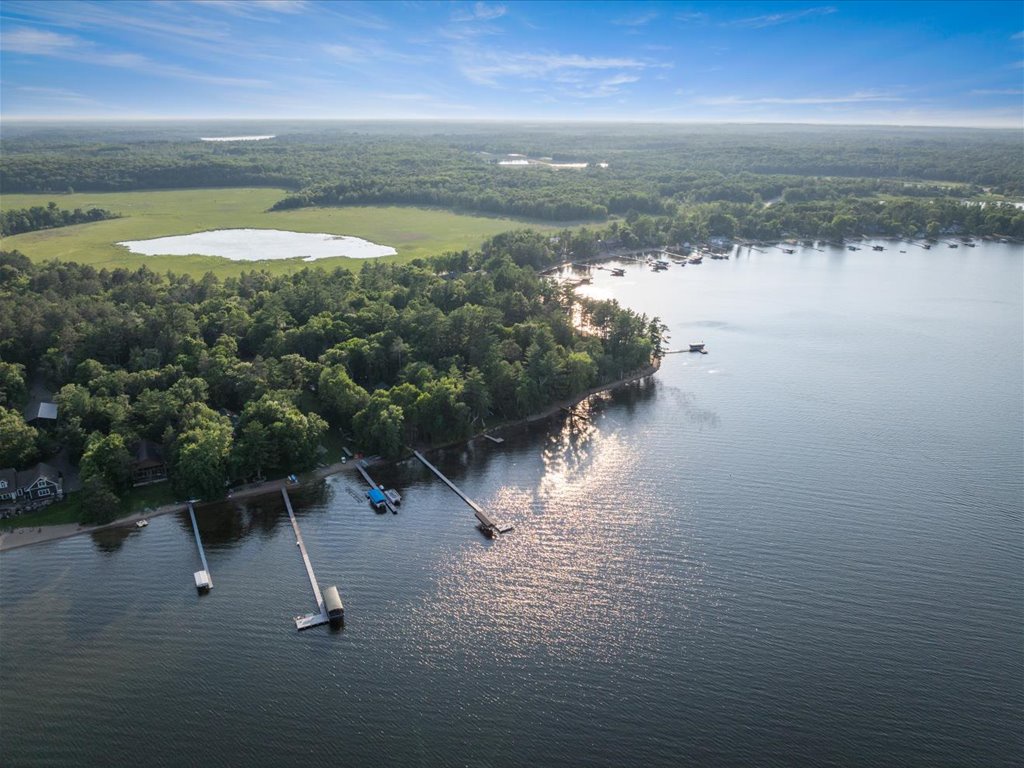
<point>56,94</point>
<point>37,42</point>
<point>636,21</point>
<point>488,66</point>
<point>772,19</point>
<point>853,98</point>
<point>41,42</point>
<point>343,52</point>
<point>480,12</point>
<point>1018,36</point>
<point>998,92</point>
<point>254,7</point>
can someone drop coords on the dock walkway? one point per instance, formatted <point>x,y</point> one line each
<point>312,619</point>
<point>370,480</point>
<point>199,545</point>
<point>489,524</point>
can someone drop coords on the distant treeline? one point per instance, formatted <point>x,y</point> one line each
<point>651,169</point>
<point>18,220</point>
<point>828,220</point>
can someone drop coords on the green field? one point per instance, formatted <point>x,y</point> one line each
<point>413,232</point>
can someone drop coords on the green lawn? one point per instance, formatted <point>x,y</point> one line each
<point>60,513</point>
<point>68,510</point>
<point>413,232</point>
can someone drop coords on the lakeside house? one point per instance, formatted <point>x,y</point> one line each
<point>148,464</point>
<point>36,486</point>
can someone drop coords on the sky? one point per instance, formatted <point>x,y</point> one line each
<point>904,63</point>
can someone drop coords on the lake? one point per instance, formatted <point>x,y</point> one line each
<point>803,548</point>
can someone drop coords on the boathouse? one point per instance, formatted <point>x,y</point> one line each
<point>335,608</point>
<point>376,497</point>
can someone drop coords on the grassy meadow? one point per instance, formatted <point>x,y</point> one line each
<point>413,232</point>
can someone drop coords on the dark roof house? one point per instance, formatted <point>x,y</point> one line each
<point>8,485</point>
<point>41,412</point>
<point>41,483</point>
<point>148,465</point>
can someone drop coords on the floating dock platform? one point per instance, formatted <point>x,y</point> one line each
<point>488,525</point>
<point>493,439</point>
<point>312,619</point>
<point>387,501</point>
<point>204,582</point>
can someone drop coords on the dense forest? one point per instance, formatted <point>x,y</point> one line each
<point>650,169</point>
<point>244,377</point>
<point>18,220</point>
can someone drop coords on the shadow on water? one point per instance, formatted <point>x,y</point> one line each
<point>110,540</point>
<point>224,524</point>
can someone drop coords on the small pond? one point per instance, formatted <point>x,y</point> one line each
<point>260,245</point>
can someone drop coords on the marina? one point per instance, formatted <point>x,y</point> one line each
<point>488,524</point>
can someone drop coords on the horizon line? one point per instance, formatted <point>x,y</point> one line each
<point>489,120</point>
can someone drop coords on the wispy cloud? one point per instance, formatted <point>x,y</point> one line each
<point>638,20</point>
<point>853,98</point>
<point>37,42</point>
<point>479,12</point>
<point>692,17</point>
<point>998,92</point>
<point>57,94</point>
<point>342,52</point>
<point>772,19</point>
<point>488,66</point>
<point>254,8</point>
<point>370,49</point>
<point>42,42</point>
<point>1018,36</point>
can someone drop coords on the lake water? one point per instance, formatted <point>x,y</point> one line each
<point>804,548</point>
<point>260,245</point>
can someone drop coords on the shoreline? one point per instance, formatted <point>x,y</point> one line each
<point>17,538</point>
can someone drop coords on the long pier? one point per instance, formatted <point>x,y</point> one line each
<point>312,619</point>
<point>489,525</point>
<point>373,484</point>
<point>205,573</point>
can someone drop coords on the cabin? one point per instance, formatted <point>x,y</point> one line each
<point>41,413</point>
<point>148,465</point>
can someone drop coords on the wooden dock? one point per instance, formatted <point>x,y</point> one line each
<point>199,546</point>
<point>489,525</point>
<point>312,619</point>
<point>373,484</point>
<point>493,439</point>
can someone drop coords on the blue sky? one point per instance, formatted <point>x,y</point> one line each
<point>916,63</point>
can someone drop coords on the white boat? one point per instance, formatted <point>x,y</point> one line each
<point>141,523</point>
